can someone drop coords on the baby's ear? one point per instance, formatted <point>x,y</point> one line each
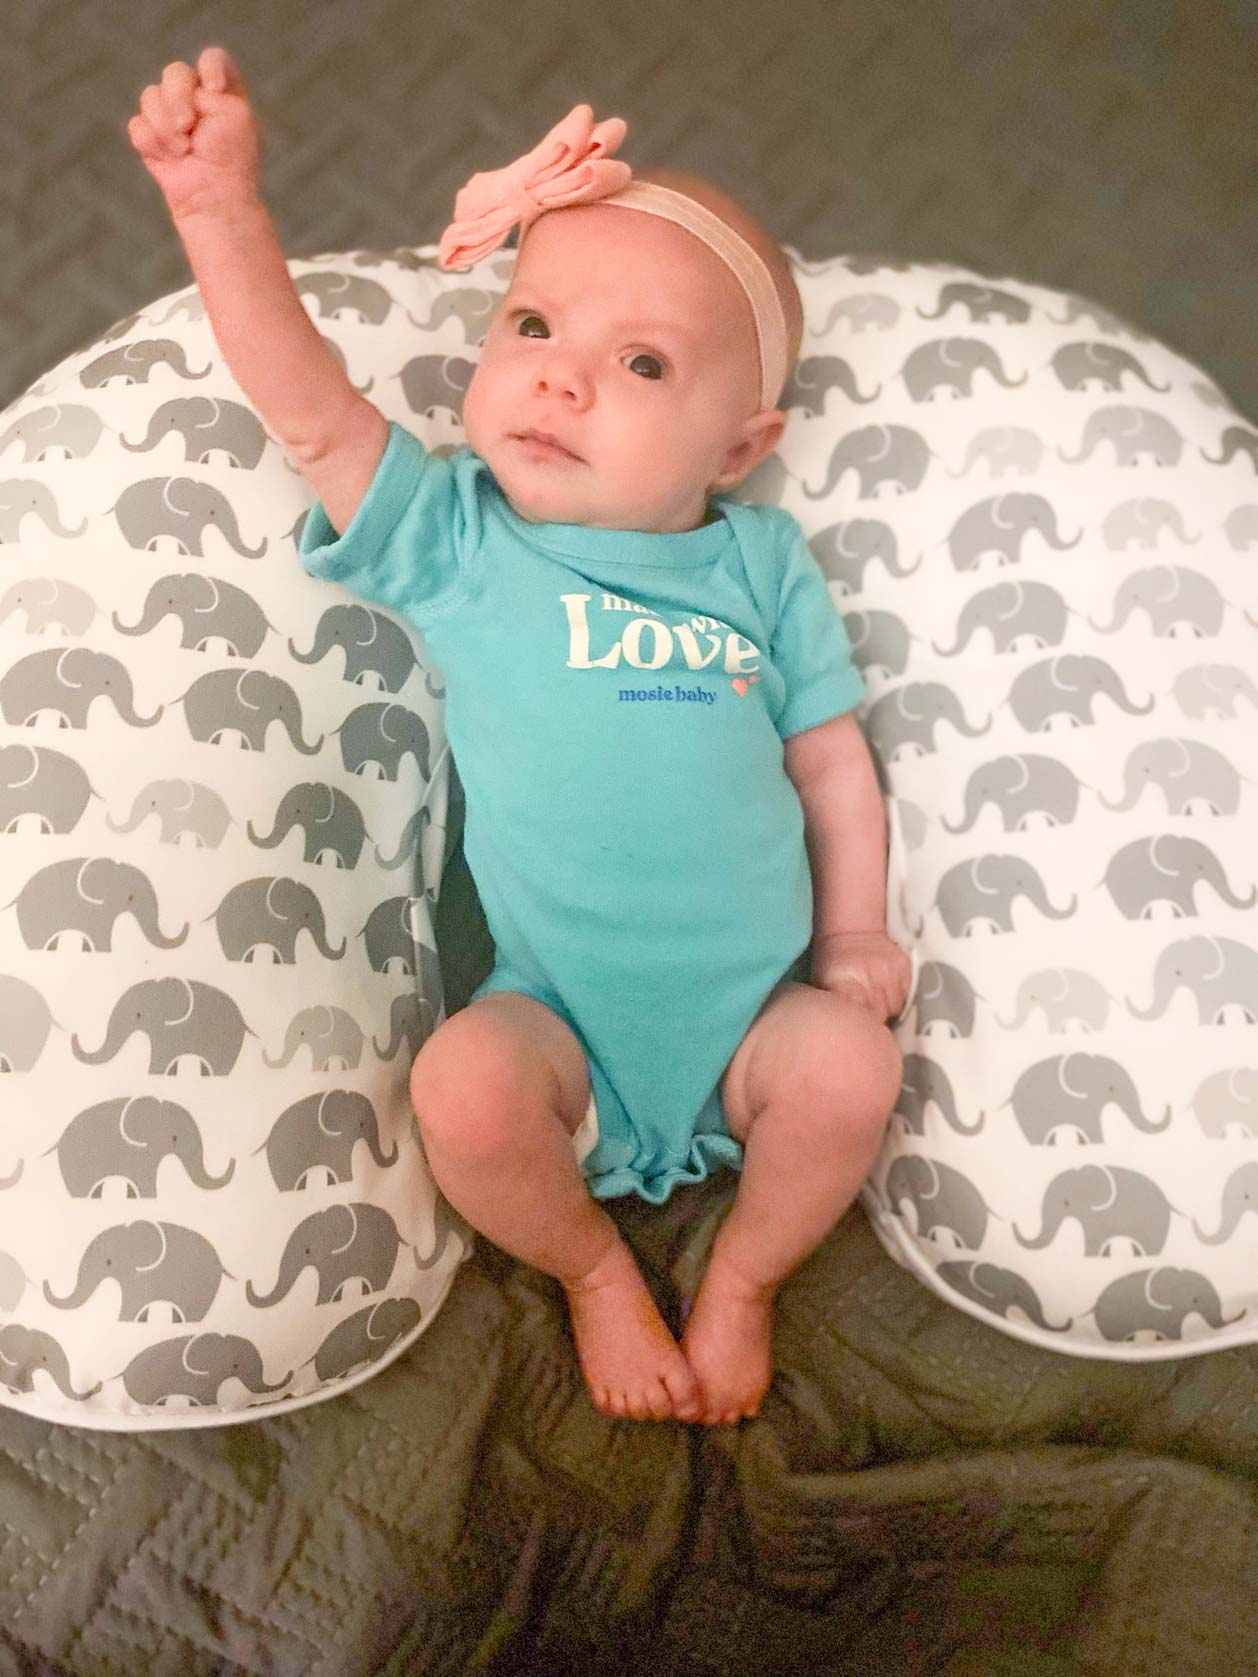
<point>760,435</point>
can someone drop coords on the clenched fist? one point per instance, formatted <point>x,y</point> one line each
<point>198,136</point>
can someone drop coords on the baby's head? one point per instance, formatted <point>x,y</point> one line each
<point>630,340</point>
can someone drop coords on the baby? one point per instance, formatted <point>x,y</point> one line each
<point>673,819</point>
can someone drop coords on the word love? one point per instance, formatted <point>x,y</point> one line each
<point>649,644</point>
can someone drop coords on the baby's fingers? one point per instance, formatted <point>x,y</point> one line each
<point>218,71</point>
<point>178,82</point>
<point>153,132</point>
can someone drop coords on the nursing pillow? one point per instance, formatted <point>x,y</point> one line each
<point>224,789</point>
<point>1041,528</point>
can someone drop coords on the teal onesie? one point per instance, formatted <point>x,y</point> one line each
<point>616,703</point>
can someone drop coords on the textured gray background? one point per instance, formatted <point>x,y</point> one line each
<point>1104,146</point>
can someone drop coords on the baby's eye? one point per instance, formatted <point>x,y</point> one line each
<point>525,317</point>
<point>654,360</point>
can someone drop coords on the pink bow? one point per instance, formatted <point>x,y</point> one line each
<point>572,165</point>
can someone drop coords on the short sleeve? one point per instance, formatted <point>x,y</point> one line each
<point>410,541</point>
<point>810,647</point>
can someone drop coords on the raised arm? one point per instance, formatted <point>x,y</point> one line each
<point>199,139</point>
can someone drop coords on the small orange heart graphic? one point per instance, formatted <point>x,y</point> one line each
<point>740,687</point>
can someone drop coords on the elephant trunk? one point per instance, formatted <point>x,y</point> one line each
<point>1128,799</point>
<point>75,1300</point>
<point>320,935</point>
<point>158,938</point>
<point>150,440</point>
<point>291,1040</point>
<point>278,834</point>
<point>325,638</point>
<point>973,803</point>
<point>130,824</point>
<point>290,1268</point>
<point>151,615</point>
<point>1161,997</point>
<point>294,734</point>
<point>1037,1243</point>
<point>115,1036</point>
<point>130,715</point>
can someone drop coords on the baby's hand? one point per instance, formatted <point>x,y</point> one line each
<point>197,134</point>
<point>864,967</point>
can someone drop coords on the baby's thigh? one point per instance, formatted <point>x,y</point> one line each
<point>505,1050</point>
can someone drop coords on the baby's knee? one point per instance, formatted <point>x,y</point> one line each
<point>871,1067</point>
<point>467,1085</point>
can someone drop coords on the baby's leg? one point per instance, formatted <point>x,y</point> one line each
<point>808,1093</point>
<point>498,1090</point>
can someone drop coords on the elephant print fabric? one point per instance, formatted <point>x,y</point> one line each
<point>223,802</point>
<point>1041,529</point>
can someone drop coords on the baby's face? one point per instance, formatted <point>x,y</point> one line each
<point>629,340</point>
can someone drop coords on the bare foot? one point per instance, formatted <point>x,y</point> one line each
<point>631,1363</point>
<point>728,1343</point>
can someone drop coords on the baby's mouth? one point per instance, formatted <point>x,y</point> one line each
<point>543,447</point>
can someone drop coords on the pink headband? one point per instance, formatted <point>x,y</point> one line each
<point>573,165</point>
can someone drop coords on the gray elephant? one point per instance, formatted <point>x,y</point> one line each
<point>1219,972</point>
<point>1140,523</point>
<point>942,1198</point>
<point>206,425</point>
<point>1171,595</point>
<point>910,715</point>
<point>891,457</point>
<point>26,497</point>
<point>1067,685</point>
<point>953,364</point>
<point>345,1244</point>
<point>1167,868</point>
<point>372,643</point>
<point>409,840</point>
<point>24,1350</point>
<point>1157,1301</point>
<point>181,1017</point>
<point>365,1337</point>
<point>880,641</point>
<point>64,681</point>
<point>85,895</point>
<point>70,428</point>
<point>813,378</point>
<point>194,1366</point>
<point>1065,995</point>
<point>1239,1196</point>
<point>331,824</point>
<point>981,302</point>
<point>472,306</point>
<point>133,363</point>
<point>44,785</point>
<point>924,1082</point>
<point>393,932</point>
<point>331,1036</point>
<point>318,1134</point>
<point>353,295</point>
<point>413,1017</point>
<point>861,312</point>
<point>1134,432</point>
<point>436,382</point>
<point>1068,1093</point>
<point>1003,448</point>
<point>50,603</point>
<point>126,1139</point>
<point>1225,1099</point>
<point>208,609</point>
<point>997,1290</point>
<point>244,702</point>
<point>1187,771</point>
<point>181,508</point>
<point>983,889</point>
<point>845,550</point>
<point>1214,691</point>
<point>153,1264</point>
<point>1110,1205</point>
<point>1000,524</point>
<point>380,735</point>
<point>1082,366</point>
<point>268,913</point>
<point>1236,439</point>
<point>945,996</point>
<point>1010,611</point>
<point>1020,786</point>
<point>183,808</point>
<point>25,1022</point>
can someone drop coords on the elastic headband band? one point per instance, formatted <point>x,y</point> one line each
<point>572,165</point>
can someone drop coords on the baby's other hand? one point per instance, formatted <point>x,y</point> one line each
<point>197,134</point>
<point>864,967</point>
